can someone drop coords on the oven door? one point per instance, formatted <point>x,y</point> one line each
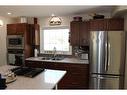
<point>15,42</point>
<point>16,59</point>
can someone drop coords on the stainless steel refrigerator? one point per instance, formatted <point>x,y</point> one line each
<point>107,58</point>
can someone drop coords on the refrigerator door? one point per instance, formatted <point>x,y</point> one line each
<point>98,51</point>
<point>106,51</point>
<point>115,47</point>
<point>104,82</point>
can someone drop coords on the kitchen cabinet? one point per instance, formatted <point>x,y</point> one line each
<point>79,34</point>
<point>34,64</point>
<point>30,35</point>
<point>77,76</point>
<point>115,24</point>
<point>84,34</point>
<point>74,35</point>
<point>35,34</point>
<point>107,24</point>
<point>16,29</point>
<point>98,25</point>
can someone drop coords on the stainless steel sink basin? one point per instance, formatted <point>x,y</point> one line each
<point>46,58</point>
<point>52,58</point>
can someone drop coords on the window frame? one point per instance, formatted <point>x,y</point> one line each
<point>42,41</point>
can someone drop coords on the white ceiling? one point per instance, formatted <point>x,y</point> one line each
<point>41,11</point>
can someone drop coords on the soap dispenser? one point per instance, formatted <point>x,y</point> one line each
<point>35,52</point>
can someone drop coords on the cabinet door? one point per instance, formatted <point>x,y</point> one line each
<point>115,24</point>
<point>16,29</point>
<point>98,25</point>
<point>77,77</point>
<point>35,34</point>
<point>34,64</point>
<point>74,37</point>
<point>84,34</point>
<point>11,29</point>
<point>21,28</point>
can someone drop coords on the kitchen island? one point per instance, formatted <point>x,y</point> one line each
<point>48,79</point>
<point>77,76</point>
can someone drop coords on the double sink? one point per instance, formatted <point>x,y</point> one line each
<point>52,58</point>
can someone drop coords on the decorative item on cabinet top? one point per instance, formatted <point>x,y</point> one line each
<point>77,18</point>
<point>97,16</point>
<point>55,20</point>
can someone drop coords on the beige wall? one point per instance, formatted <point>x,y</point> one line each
<point>125,28</point>
<point>44,21</point>
<point>3,34</point>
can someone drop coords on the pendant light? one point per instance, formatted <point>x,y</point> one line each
<point>55,20</point>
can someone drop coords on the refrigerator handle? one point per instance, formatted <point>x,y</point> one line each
<point>109,55</point>
<point>106,56</point>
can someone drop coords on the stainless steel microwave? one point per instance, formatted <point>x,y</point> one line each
<point>15,42</point>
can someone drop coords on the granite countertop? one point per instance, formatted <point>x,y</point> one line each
<point>65,60</point>
<point>45,80</point>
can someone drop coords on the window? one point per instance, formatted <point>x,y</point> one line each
<point>57,38</point>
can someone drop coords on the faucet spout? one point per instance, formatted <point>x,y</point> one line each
<point>54,52</point>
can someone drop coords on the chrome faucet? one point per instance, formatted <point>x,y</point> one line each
<point>54,52</point>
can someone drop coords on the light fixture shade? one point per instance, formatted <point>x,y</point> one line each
<point>1,23</point>
<point>55,21</point>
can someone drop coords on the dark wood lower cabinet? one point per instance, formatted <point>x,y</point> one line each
<point>77,76</point>
<point>34,64</point>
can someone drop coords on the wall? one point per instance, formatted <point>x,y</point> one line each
<point>125,28</point>
<point>3,34</point>
<point>44,21</point>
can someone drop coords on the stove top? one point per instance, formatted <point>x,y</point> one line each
<point>27,71</point>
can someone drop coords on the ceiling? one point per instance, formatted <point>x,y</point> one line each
<point>41,11</point>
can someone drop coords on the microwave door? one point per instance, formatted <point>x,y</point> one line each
<point>15,42</point>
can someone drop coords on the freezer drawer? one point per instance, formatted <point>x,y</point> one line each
<point>104,82</point>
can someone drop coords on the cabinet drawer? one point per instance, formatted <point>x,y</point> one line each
<point>34,64</point>
<point>48,65</point>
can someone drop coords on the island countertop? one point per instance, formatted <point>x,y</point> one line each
<point>48,79</point>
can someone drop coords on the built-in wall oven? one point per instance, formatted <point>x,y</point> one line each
<point>15,57</point>
<point>15,50</point>
<point>15,42</point>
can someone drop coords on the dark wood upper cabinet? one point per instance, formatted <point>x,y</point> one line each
<point>31,30</point>
<point>74,35</point>
<point>11,29</point>
<point>98,25</point>
<point>16,29</point>
<point>35,34</point>
<point>84,34</point>
<point>79,33</point>
<point>114,24</point>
